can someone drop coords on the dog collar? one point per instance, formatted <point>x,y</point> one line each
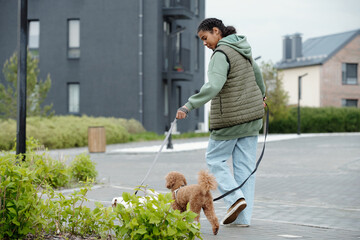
<point>176,190</point>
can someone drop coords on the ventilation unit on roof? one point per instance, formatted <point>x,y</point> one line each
<point>292,47</point>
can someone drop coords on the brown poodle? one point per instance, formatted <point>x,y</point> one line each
<point>198,195</point>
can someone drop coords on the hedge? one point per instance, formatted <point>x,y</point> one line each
<point>318,120</point>
<point>68,131</point>
<point>71,131</point>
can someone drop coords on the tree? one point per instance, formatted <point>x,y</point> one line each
<point>36,91</point>
<point>277,97</point>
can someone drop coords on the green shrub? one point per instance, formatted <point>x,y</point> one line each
<point>22,185</point>
<point>69,131</point>
<point>29,208</point>
<point>53,172</point>
<point>68,214</point>
<point>318,120</point>
<point>82,168</point>
<point>7,134</point>
<point>154,219</point>
<point>20,205</point>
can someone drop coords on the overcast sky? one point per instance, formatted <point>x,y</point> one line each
<point>265,22</point>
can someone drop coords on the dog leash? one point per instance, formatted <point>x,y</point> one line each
<point>258,161</point>
<point>158,153</point>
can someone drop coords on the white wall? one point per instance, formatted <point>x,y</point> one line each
<point>310,85</point>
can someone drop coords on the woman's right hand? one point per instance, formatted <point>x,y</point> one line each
<point>182,112</point>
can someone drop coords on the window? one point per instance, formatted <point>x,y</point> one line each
<point>166,35</point>
<point>349,102</point>
<point>34,38</point>
<point>196,7</point>
<point>178,95</point>
<point>74,97</point>
<point>74,38</point>
<point>167,3</point>
<point>197,53</point>
<point>166,100</point>
<point>349,73</point>
<point>178,48</point>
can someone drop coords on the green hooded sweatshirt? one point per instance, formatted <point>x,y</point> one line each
<point>217,76</point>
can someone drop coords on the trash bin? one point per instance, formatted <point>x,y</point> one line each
<point>96,139</point>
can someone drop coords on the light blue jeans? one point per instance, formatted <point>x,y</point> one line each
<point>243,152</point>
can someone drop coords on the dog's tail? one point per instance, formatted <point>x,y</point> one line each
<point>207,181</point>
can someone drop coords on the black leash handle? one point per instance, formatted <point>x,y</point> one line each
<point>258,161</point>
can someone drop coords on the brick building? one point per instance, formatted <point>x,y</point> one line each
<point>328,67</point>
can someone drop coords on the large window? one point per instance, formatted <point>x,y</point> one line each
<point>178,97</point>
<point>166,35</point>
<point>34,38</point>
<point>166,100</point>
<point>178,48</point>
<point>73,38</point>
<point>349,102</point>
<point>197,53</point>
<point>349,73</point>
<point>196,7</point>
<point>74,97</point>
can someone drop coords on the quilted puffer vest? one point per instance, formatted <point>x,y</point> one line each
<point>240,100</point>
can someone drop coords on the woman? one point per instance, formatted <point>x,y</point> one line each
<point>237,91</point>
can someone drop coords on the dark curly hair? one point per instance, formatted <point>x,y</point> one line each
<point>209,23</point>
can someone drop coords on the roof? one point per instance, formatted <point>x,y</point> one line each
<point>319,49</point>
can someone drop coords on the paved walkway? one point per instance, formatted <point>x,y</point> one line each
<point>307,186</point>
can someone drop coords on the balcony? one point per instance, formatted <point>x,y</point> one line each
<point>177,9</point>
<point>180,70</point>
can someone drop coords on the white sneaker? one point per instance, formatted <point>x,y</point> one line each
<point>234,211</point>
<point>241,225</point>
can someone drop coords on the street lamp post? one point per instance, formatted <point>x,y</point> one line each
<point>257,58</point>
<point>299,97</point>
<point>21,75</point>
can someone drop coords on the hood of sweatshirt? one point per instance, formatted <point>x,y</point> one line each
<point>239,43</point>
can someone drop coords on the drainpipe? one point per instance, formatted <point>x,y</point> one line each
<point>141,79</point>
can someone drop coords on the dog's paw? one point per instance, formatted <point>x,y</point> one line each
<point>215,230</point>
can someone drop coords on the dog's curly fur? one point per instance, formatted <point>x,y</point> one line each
<point>198,195</point>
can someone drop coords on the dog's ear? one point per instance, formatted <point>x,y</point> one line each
<point>169,181</point>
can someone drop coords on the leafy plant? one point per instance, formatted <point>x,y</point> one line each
<point>20,204</point>
<point>68,214</point>
<point>53,172</point>
<point>154,218</point>
<point>82,168</point>
<point>30,206</point>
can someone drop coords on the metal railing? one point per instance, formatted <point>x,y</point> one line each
<point>177,3</point>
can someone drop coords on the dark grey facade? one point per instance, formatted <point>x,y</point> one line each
<point>136,59</point>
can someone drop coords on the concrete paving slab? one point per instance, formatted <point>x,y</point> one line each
<point>307,186</point>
